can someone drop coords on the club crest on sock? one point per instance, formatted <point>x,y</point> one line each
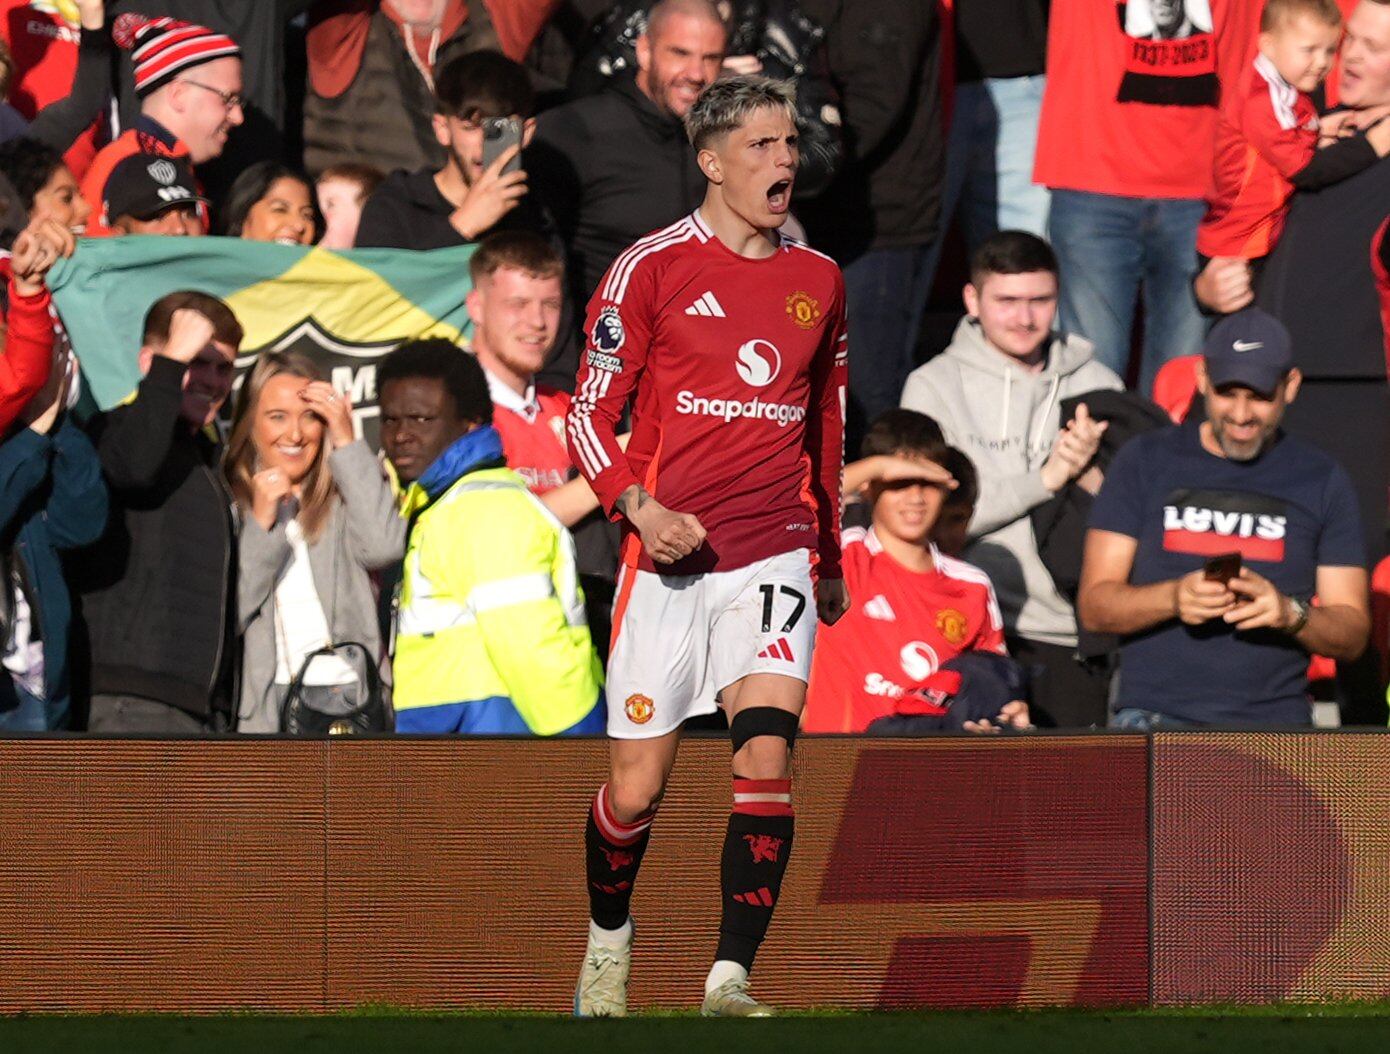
<point>763,847</point>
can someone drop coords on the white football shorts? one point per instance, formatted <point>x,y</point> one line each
<point>679,640</point>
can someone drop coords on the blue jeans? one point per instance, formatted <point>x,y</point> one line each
<point>886,293</point>
<point>989,164</point>
<point>30,715</point>
<point>989,159</point>
<point>1112,249</point>
<point>1132,719</point>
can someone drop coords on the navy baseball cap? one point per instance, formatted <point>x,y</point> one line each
<point>1250,348</point>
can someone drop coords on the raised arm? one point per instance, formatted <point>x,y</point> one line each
<point>60,122</point>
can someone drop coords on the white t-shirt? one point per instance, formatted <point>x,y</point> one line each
<point>300,625</point>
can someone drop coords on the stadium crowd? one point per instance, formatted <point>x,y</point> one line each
<point>1139,485</point>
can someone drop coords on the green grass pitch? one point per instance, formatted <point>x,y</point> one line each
<point>1341,1029</point>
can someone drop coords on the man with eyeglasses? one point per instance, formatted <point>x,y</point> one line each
<point>188,78</point>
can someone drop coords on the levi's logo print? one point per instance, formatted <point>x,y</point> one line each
<point>1212,522</point>
<point>1170,53</point>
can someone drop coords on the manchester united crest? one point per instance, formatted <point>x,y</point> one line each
<point>804,309</point>
<point>951,624</point>
<point>639,709</point>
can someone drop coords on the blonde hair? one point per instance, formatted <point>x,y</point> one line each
<point>318,492</point>
<point>1278,12</point>
<point>725,105</point>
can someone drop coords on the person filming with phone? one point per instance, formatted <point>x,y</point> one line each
<point>483,103</point>
<point>1208,542</point>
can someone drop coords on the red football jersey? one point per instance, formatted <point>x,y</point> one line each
<point>1266,132</point>
<point>43,41</point>
<point>533,434</point>
<point>737,370</point>
<point>902,627</point>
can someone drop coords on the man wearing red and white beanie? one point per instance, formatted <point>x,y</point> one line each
<point>188,78</point>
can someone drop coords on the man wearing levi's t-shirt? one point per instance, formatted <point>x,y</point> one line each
<point>1209,540</point>
<point>914,608</point>
<point>515,306</point>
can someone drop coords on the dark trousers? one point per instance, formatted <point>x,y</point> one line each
<point>130,713</point>
<point>1064,693</point>
<point>886,293</point>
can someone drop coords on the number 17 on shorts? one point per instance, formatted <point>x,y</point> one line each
<point>678,640</point>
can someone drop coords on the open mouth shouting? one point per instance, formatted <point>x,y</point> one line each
<point>779,197</point>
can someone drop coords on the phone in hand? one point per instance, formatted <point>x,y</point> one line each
<point>1222,568</point>
<point>500,133</point>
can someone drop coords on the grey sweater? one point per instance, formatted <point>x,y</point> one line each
<point>1006,419</point>
<point>363,533</point>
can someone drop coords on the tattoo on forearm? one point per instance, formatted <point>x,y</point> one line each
<point>632,499</point>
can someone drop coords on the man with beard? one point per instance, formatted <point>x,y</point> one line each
<point>617,165</point>
<point>1208,542</point>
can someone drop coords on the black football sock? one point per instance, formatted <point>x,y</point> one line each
<point>756,848</point>
<point>613,853</point>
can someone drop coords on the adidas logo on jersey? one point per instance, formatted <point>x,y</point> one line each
<point>779,650</point>
<point>879,608</point>
<point>707,305</point>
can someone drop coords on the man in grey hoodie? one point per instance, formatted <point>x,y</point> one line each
<point>996,391</point>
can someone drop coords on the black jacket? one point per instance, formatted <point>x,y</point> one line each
<point>612,167</point>
<point>789,44</point>
<point>885,59</point>
<point>408,212</point>
<point>1059,524</point>
<point>155,590</point>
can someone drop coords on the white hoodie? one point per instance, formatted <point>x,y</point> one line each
<point>1006,419</point>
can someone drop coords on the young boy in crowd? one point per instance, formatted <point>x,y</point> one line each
<point>951,534</point>
<point>342,190</point>
<point>1268,132</point>
<point>914,608</point>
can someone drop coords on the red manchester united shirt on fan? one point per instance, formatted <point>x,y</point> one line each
<point>902,627</point>
<point>1266,132</point>
<point>1132,89</point>
<point>532,427</point>
<point>736,369</point>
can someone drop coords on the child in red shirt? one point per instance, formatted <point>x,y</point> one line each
<point>1268,130</point>
<point>913,609</point>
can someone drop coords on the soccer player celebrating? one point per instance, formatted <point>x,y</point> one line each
<point>731,340</point>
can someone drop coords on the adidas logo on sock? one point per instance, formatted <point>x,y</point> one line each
<point>761,898</point>
<point>707,305</point>
<point>780,650</point>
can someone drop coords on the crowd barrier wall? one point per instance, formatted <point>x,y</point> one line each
<point>309,875</point>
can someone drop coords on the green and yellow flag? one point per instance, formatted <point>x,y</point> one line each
<point>344,309</point>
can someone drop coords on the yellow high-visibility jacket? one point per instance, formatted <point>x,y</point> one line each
<point>490,608</point>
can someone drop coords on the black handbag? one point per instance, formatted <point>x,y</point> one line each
<point>338,709</point>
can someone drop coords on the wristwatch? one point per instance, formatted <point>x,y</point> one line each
<point>1301,610</point>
